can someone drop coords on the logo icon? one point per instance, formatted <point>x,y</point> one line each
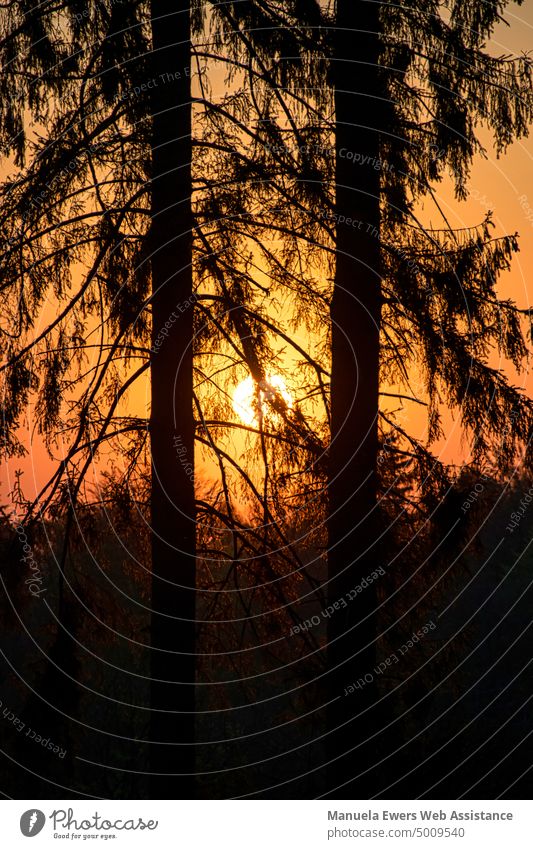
<point>32,822</point>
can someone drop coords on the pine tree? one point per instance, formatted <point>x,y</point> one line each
<point>97,219</point>
<point>422,83</point>
<point>353,553</point>
<point>171,419</point>
<point>98,213</point>
<point>408,88</point>
<point>271,236</point>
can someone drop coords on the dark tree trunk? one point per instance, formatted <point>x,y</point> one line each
<point>355,315</point>
<point>171,423</point>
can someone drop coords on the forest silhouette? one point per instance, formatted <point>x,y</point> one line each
<point>298,597</point>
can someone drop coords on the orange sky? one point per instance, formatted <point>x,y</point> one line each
<point>503,185</point>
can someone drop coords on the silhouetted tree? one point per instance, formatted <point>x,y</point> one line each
<point>415,311</point>
<point>407,106</point>
<point>97,228</point>
<point>354,528</point>
<point>101,219</point>
<point>306,137</point>
<point>173,515</point>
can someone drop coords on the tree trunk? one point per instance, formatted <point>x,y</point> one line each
<point>355,316</point>
<point>171,422</point>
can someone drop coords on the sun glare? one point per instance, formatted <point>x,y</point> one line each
<point>245,401</point>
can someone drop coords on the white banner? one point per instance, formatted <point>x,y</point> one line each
<point>268,824</point>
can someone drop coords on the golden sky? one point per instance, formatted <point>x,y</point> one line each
<point>503,185</point>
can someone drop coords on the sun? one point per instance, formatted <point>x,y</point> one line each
<point>245,398</point>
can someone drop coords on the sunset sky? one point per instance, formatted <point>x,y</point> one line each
<point>503,185</point>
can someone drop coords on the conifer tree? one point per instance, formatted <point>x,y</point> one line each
<point>415,312</point>
<point>90,215</point>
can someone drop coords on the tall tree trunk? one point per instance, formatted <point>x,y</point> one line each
<point>171,423</point>
<point>355,316</point>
